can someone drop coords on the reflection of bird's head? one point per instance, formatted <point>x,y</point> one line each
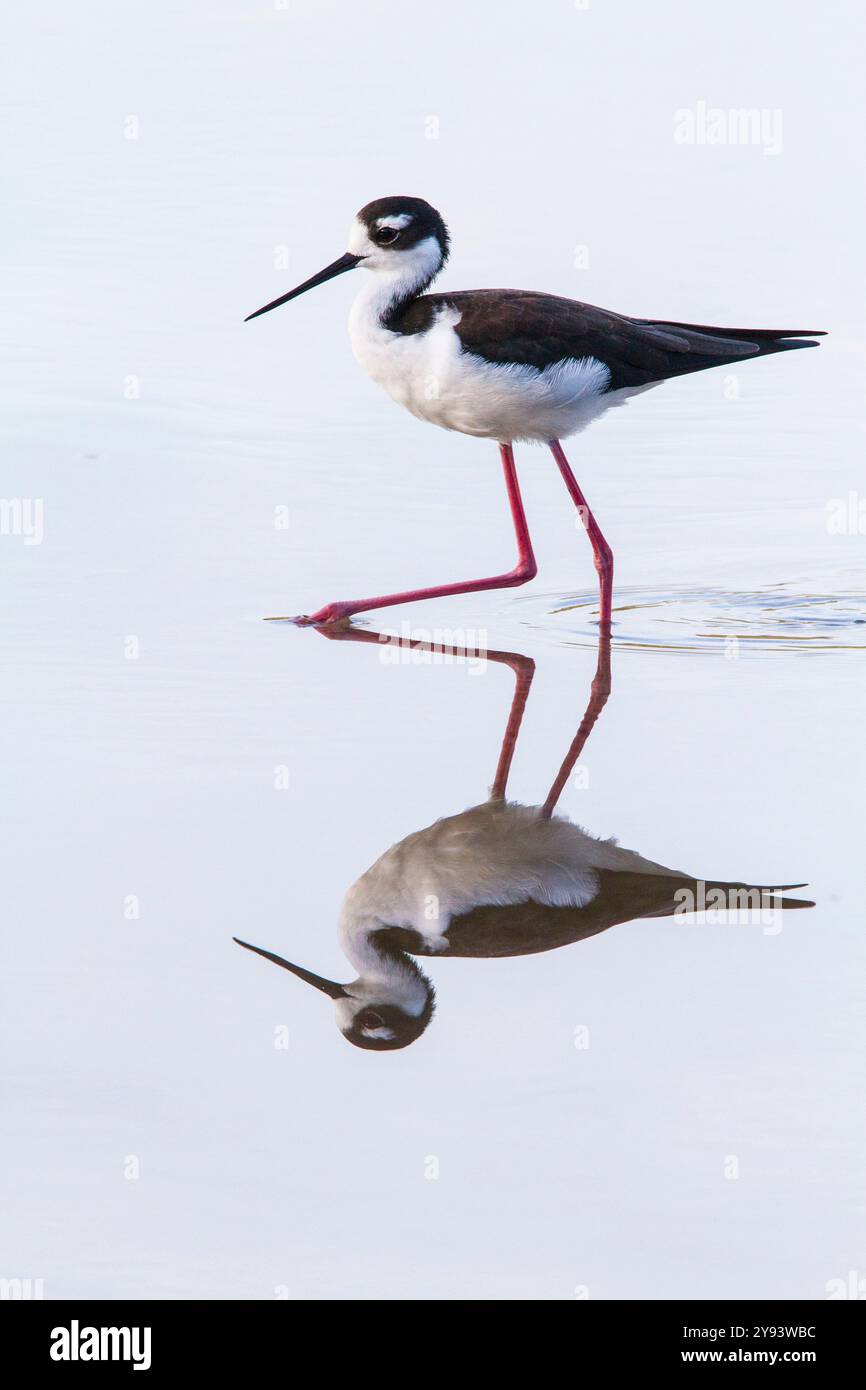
<point>378,1024</point>
<point>380,1015</point>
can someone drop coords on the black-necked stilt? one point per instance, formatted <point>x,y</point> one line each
<point>506,365</point>
<point>500,879</point>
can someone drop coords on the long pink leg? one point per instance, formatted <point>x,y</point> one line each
<point>599,692</point>
<point>602,553</point>
<point>524,570</point>
<point>524,670</point>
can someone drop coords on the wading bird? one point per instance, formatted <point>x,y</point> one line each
<point>500,879</point>
<point>506,365</point>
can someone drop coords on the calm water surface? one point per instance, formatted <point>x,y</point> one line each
<point>670,1108</point>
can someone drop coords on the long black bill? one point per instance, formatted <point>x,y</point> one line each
<point>347,262</point>
<point>329,987</point>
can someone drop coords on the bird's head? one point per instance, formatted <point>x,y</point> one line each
<point>401,238</point>
<point>368,1013</point>
<point>400,234</point>
<point>372,1021</point>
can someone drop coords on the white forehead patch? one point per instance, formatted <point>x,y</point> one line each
<point>397,222</point>
<point>385,1034</point>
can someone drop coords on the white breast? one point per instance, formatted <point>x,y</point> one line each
<point>431,376</point>
<point>494,854</point>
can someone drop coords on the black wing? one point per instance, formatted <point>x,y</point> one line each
<point>540,330</point>
<point>528,928</point>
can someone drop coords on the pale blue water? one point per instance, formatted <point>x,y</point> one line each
<point>170,755</point>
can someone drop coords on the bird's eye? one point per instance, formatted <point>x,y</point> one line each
<point>370,1019</point>
<point>388,234</point>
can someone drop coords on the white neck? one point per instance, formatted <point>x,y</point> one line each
<point>397,278</point>
<point>389,974</point>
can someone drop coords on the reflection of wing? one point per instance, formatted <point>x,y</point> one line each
<point>498,853</point>
<point>525,929</point>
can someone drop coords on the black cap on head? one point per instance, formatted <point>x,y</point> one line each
<point>423,221</point>
<point>385,1027</point>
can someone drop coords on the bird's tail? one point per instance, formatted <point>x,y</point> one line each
<point>704,345</point>
<point>719,895</point>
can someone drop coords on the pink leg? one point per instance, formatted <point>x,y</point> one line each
<point>524,670</point>
<point>602,552</point>
<point>599,692</point>
<point>525,569</point>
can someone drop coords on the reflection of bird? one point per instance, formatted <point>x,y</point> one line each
<point>500,879</point>
<point>506,364</point>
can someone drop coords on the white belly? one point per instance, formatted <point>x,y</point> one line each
<point>432,377</point>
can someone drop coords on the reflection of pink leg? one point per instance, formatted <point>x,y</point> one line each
<point>522,666</point>
<point>597,701</point>
<point>524,669</point>
<point>524,570</point>
<point>602,552</point>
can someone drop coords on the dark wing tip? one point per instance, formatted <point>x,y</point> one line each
<point>789,888</point>
<point>798,341</point>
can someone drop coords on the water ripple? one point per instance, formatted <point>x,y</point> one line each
<point>771,620</point>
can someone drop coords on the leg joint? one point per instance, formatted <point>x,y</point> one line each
<point>524,571</point>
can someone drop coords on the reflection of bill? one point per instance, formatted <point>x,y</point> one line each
<point>499,879</point>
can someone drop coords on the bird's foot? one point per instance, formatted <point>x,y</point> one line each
<point>332,613</point>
